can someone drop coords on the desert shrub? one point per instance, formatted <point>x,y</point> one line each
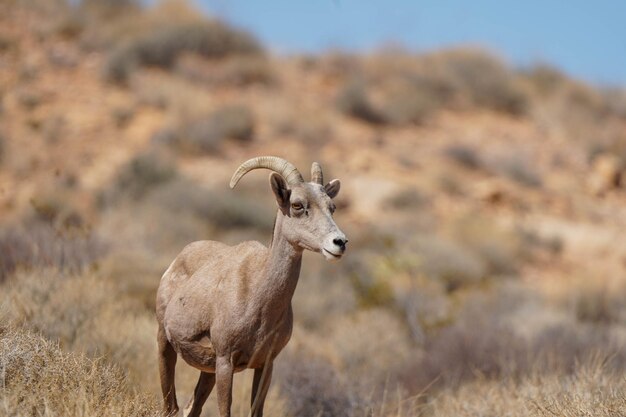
<point>484,80</point>
<point>205,135</point>
<point>162,46</point>
<point>545,79</point>
<point>39,379</point>
<point>310,308</point>
<point>29,99</point>
<point>594,388</point>
<point>448,262</point>
<point>7,43</point>
<point>313,387</point>
<point>463,155</point>
<point>39,244</point>
<point>122,116</point>
<point>371,333</point>
<point>593,301</point>
<point>407,198</point>
<point>413,97</point>
<point>3,146</point>
<point>141,174</point>
<point>222,208</point>
<point>517,168</point>
<point>487,341</point>
<point>498,248</point>
<point>234,71</point>
<point>615,101</point>
<point>352,100</point>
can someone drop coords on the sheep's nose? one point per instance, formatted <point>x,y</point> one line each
<point>341,242</point>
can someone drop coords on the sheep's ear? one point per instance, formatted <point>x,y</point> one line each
<point>279,187</point>
<point>332,188</point>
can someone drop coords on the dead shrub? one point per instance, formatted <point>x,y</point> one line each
<point>162,46</point>
<point>39,379</point>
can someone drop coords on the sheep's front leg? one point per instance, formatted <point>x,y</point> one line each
<point>260,386</point>
<point>224,382</point>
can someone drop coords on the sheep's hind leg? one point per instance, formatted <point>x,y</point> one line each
<point>167,366</point>
<point>205,385</point>
<point>260,386</point>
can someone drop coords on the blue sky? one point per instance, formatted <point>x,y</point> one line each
<point>587,39</point>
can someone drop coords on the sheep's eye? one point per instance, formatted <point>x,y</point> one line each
<point>332,208</point>
<point>297,206</point>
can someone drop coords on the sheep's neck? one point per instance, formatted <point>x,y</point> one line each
<point>281,271</point>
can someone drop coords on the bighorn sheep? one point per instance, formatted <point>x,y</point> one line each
<point>224,309</point>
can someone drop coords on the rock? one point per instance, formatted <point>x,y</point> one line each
<point>606,174</point>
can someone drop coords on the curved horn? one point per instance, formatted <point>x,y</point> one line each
<point>289,172</point>
<point>316,174</point>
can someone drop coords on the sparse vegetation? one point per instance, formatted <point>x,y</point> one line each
<point>145,171</point>
<point>162,47</point>
<point>39,244</point>
<point>485,269</point>
<point>204,135</point>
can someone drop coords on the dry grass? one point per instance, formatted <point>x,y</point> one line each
<point>85,313</point>
<point>594,389</point>
<point>38,378</point>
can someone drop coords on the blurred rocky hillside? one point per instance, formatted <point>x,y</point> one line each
<point>485,205</point>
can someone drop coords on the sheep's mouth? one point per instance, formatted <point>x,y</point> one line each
<point>334,256</point>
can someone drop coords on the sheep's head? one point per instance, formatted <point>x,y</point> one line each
<point>307,207</point>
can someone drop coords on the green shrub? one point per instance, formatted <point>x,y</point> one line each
<point>164,45</point>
